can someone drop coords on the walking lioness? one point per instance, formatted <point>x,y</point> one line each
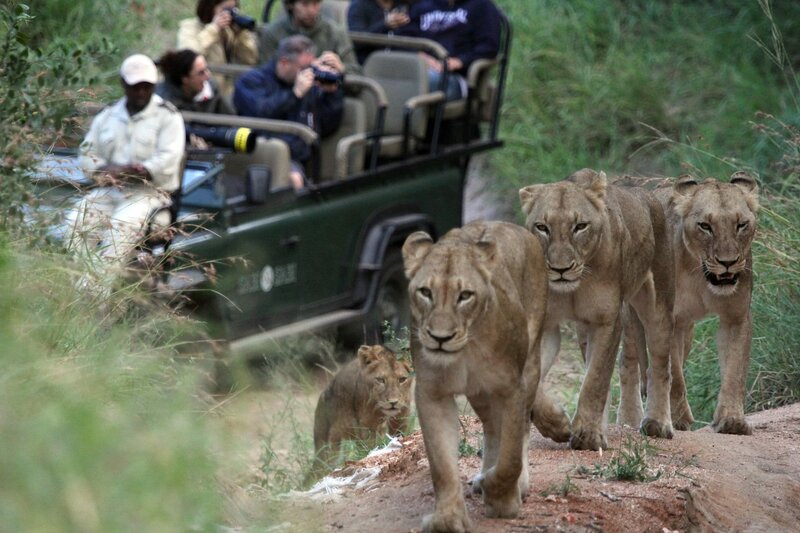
<point>603,247</point>
<point>478,298</point>
<point>712,225</point>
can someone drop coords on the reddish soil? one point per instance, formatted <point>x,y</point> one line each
<point>707,482</point>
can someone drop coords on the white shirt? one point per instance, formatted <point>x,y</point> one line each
<point>154,137</point>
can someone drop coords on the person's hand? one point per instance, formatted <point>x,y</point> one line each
<point>303,82</point>
<point>330,61</point>
<point>222,19</point>
<point>454,64</point>
<point>396,18</point>
<point>432,63</point>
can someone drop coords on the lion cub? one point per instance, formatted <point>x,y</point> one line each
<point>367,397</point>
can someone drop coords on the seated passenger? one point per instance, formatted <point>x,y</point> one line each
<point>467,29</point>
<point>188,84</point>
<point>215,35</point>
<point>289,88</point>
<point>375,16</point>
<point>133,153</point>
<point>303,18</point>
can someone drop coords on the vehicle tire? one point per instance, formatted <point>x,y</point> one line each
<point>391,305</point>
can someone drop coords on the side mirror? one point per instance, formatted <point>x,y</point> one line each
<point>257,185</point>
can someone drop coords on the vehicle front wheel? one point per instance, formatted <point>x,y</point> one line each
<point>390,307</point>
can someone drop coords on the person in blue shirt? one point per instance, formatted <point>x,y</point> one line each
<point>287,88</point>
<point>467,29</point>
<point>375,16</point>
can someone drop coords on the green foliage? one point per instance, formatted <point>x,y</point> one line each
<point>628,463</point>
<point>399,342</point>
<point>102,430</point>
<point>608,84</point>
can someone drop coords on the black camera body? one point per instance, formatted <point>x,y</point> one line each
<point>241,140</point>
<point>325,76</point>
<point>243,21</point>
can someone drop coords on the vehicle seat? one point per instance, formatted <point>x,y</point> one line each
<point>270,152</point>
<point>404,78</point>
<point>353,127</point>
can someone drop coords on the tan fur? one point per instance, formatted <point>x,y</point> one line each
<point>602,248</point>
<point>368,397</point>
<point>712,226</point>
<point>478,298</point>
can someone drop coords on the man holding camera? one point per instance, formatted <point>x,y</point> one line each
<point>297,86</point>
<point>303,17</point>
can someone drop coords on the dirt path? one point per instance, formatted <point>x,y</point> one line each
<point>707,482</point>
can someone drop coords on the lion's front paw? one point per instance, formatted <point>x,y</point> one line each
<point>477,483</point>
<point>734,425</point>
<point>653,428</point>
<point>552,422</point>
<point>447,522</point>
<point>503,505</point>
<point>683,421</point>
<point>590,438</point>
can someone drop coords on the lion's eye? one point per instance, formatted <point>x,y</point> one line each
<point>542,228</point>
<point>380,381</point>
<point>402,380</point>
<point>425,292</point>
<point>465,296</point>
<point>580,226</point>
<point>741,226</point>
<point>705,226</point>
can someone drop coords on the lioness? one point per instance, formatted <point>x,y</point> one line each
<point>478,298</point>
<point>712,225</point>
<point>602,248</point>
<point>368,396</point>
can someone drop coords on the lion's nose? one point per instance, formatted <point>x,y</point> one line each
<point>440,339</point>
<point>561,270</point>
<point>727,264</point>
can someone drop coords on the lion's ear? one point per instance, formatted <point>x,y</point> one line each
<point>685,185</point>
<point>745,181</point>
<point>366,355</point>
<point>527,196</point>
<point>416,247</point>
<point>487,246</point>
<point>593,183</point>
<point>749,185</point>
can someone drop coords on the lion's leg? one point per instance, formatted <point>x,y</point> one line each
<point>501,482</point>
<point>438,418</point>
<point>482,405</point>
<point>630,410</point>
<point>682,418</point>
<point>655,312</point>
<point>548,416</point>
<point>733,344</point>
<point>587,426</point>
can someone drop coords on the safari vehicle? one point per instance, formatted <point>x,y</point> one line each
<point>328,255</point>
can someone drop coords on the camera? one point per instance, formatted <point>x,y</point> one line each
<point>326,76</point>
<point>240,139</point>
<point>243,21</point>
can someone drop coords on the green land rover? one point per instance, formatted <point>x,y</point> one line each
<point>327,255</point>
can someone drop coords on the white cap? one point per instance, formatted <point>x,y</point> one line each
<point>138,68</point>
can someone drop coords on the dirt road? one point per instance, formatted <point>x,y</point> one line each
<point>706,482</point>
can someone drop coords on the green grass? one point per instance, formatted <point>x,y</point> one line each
<point>627,463</point>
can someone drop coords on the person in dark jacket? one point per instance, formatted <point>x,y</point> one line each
<point>188,84</point>
<point>375,16</point>
<point>467,29</point>
<point>286,88</point>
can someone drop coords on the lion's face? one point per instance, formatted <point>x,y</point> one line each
<point>569,219</point>
<point>719,222</point>
<point>388,378</point>
<point>448,289</point>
